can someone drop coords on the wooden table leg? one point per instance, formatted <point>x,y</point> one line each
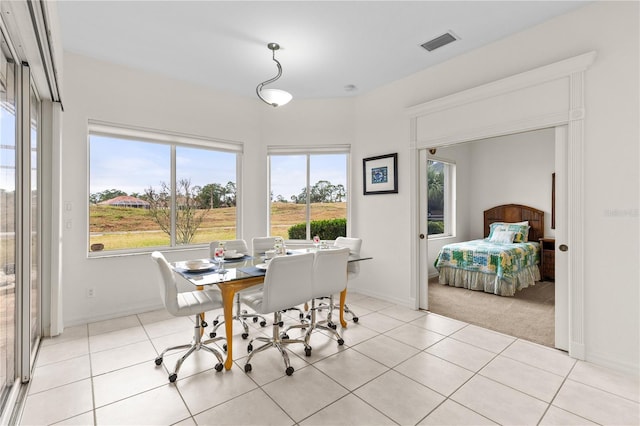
<point>343,298</point>
<point>228,293</point>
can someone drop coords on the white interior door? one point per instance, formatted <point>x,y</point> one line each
<point>423,274</point>
<point>561,256</point>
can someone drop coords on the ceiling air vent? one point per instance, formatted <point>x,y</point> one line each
<point>440,41</point>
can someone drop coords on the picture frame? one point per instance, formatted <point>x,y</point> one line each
<point>380,174</point>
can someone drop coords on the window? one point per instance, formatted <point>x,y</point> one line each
<point>441,198</point>
<point>308,192</point>
<point>159,190</point>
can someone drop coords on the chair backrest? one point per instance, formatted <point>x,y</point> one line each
<point>238,245</point>
<point>330,271</point>
<point>354,245</point>
<point>167,285</point>
<point>262,244</point>
<point>288,282</point>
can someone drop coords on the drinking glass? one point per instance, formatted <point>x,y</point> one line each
<point>218,255</point>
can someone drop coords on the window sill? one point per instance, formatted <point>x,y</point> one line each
<point>146,251</point>
<point>440,237</point>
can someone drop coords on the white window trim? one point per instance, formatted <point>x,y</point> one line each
<point>308,151</point>
<point>450,199</point>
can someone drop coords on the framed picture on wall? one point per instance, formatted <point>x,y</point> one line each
<point>380,174</point>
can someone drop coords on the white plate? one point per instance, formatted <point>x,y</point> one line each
<point>200,266</point>
<point>262,266</point>
<point>234,256</point>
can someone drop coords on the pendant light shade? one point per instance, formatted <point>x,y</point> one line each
<point>273,97</point>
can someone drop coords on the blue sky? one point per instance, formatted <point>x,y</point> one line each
<point>288,172</point>
<point>133,166</point>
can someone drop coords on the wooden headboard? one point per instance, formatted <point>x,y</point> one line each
<point>516,213</point>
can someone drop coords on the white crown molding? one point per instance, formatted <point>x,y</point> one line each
<point>516,82</point>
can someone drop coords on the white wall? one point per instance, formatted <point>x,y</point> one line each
<point>514,169</point>
<point>611,143</point>
<point>379,126</point>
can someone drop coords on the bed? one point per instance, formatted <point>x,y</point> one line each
<point>505,261</point>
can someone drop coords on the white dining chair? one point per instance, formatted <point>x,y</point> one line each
<point>239,314</point>
<point>261,244</point>
<point>329,278</point>
<point>287,282</point>
<point>184,304</point>
<point>353,268</point>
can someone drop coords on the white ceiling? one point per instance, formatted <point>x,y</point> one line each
<point>325,45</point>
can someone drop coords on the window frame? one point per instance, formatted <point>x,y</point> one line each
<point>173,140</point>
<point>308,151</point>
<point>450,198</point>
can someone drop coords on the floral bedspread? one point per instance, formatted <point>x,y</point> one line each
<point>504,260</point>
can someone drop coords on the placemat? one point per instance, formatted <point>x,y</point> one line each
<point>253,271</point>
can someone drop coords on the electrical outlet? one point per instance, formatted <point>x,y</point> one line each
<point>91,292</point>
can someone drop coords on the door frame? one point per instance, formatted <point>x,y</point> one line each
<point>549,96</point>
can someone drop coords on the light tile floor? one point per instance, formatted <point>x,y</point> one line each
<point>423,369</point>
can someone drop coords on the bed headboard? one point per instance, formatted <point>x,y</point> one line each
<point>516,213</point>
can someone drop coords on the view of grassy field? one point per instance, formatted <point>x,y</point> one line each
<point>122,228</point>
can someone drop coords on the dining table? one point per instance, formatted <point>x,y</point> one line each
<point>238,274</point>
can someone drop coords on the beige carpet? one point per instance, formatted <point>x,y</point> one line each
<point>528,315</point>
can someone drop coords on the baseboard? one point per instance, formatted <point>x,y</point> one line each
<point>605,361</point>
<point>408,302</point>
<point>112,315</point>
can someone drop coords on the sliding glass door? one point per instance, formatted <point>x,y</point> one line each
<point>8,230</point>
<point>20,206</point>
<point>32,210</point>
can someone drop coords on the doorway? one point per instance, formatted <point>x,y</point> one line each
<point>510,169</point>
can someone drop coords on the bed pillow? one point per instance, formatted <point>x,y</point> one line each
<point>505,237</point>
<point>521,230</point>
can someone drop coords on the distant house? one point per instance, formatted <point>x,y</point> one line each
<point>125,201</point>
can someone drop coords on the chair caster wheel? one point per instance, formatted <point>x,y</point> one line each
<point>301,315</point>
<point>255,319</point>
<point>224,347</point>
<point>355,319</point>
<point>307,351</point>
<point>219,366</point>
<point>247,368</point>
<point>249,349</point>
<point>158,361</point>
<point>332,325</point>
<point>212,334</point>
<point>340,342</point>
<point>245,335</point>
<point>263,323</point>
<point>289,371</point>
<point>215,322</point>
<point>284,336</point>
<point>173,377</point>
<point>204,324</point>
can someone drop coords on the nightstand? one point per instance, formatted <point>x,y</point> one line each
<point>548,259</point>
